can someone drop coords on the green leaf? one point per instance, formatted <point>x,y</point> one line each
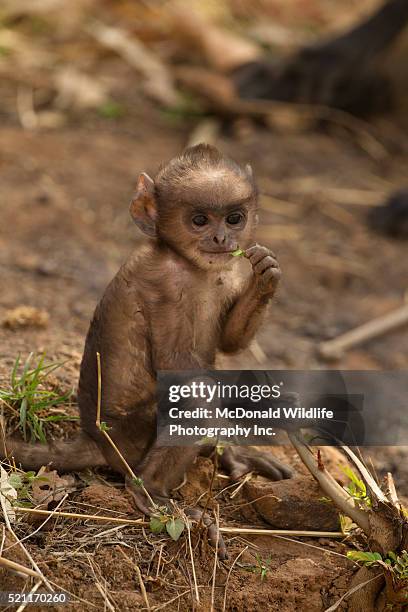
<point>358,484</point>
<point>104,426</point>
<point>156,525</point>
<point>367,558</point>
<point>14,372</point>
<point>23,417</point>
<point>238,253</point>
<point>138,482</point>
<point>175,528</point>
<point>15,481</point>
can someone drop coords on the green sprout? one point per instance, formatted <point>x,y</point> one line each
<point>238,253</point>
<point>31,399</point>
<point>356,488</point>
<point>261,567</point>
<point>138,482</point>
<point>161,520</point>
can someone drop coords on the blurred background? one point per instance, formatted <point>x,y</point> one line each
<point>313,93</point>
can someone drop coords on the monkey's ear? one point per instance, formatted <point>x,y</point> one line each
<point>143,208</point>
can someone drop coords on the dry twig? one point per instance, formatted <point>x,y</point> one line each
<point>333,349</point>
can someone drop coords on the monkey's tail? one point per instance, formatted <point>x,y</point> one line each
<point>64,456</point>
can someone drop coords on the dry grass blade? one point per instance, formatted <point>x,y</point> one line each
<point>350,592</point>
<point>392,490</point>
<point>104,595</point>
<point>51,514</point>
<point>167,603</point>
<point>246,478</point>
<point>187,524</point>
<point>101,588</point>
<point>369,480</point>
<point>239,555</point>
<point>139,577</point>
<point>33,590</point>
<point>217,522</point>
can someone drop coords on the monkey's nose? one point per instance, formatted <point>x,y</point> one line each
<point>219,239</point>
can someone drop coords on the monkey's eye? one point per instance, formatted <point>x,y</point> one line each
<point>234,218</point>
<point>200,220</point>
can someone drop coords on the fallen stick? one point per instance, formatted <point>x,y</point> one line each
<point>333,349</point>
<point>17,567</point>
<point>141,523</point>
<point>283,532</point>
<point>74,515</point>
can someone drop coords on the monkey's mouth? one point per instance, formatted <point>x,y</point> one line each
<point>219,252</point>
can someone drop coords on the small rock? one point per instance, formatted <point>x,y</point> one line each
<point>25,316</point>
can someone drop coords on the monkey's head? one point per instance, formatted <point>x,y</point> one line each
<point>201,204</point>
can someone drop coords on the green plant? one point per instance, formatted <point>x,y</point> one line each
<point>111,110</point>
<point>346,524</point>
<point>366,558</point>
<point>261,567</point>
<point>22,482</point>
<point>162,520</point>
<point>32,398</point>
<point>356,488</point>
<point>238,253</point>
<point>396,564</point>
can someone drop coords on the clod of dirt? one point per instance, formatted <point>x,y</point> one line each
<point>108,498</point>
<point>197,481</point>
<point>292,504</point>
<point>25,316</point>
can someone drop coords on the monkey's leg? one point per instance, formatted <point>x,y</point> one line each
<point>64,456</point>
<point>162,470</point>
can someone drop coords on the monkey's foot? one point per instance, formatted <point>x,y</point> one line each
<point>141,501</point>
<point>197,515</point>
<point>144,504</point>
<point>238,460</point>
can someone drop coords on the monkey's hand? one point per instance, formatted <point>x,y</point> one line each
<point>266,270</point>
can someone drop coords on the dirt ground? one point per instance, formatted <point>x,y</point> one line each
<point>64,231</point>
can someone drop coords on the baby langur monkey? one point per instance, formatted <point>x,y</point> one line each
<point>173,304</point>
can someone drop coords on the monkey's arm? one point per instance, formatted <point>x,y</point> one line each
<point>244,317</point>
